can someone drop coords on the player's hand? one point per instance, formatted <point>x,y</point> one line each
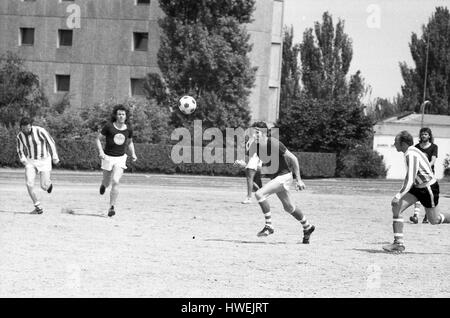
<point>133,157</point>
<point>102,156</point>
<point>240,163</point>
<point>395,201</point>
<point>24,162</point>
<point>300,185</point>
<point>55,161</point>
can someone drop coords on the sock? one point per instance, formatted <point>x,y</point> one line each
<point>397,225</point>
<point>268,217</point>
<point>306,225</point>
<point>297,213</point>
<point>265,207</point>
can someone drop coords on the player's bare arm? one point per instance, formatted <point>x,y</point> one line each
<point>99,146</point>
<point>293,162</point>
<point>133,153</point>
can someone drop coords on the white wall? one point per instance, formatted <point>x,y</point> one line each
<point>395,162</point>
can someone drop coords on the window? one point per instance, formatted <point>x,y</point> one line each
<point>65,37</point>
<point>144,2</point>
<point>26,36</point>
<point>137,87</point>
<point>62,83</point>
<point>140,41</point>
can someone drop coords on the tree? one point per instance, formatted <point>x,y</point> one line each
<point>20,91</point>
<point>290,72</point>
<point>204,52</point>
<point>436,40</point>
<point>325,59</point>
<point>328,115</point>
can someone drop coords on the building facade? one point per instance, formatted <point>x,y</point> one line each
<point>386,130</point>
<point>92,50</point>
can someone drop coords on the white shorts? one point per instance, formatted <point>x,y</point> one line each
<point>41,165</point>
<point>285,180</point>
<point>109,162</point>
<point>254,163</point>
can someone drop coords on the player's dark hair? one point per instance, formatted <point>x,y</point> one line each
<point>26,121</point>
<point>260,124</point>
<point>405,137</point>
<point>116,109</point>
<point>427,130</point>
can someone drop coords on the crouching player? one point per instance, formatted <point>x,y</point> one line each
<point>420,184</point>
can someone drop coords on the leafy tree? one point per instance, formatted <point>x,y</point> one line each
<point>156,88</point>
<point>325,59</point>
<point>328,115</point>
<point>435,36</point>
<point>290,71</point>
<point>20,91</point>
<point>204,52</point>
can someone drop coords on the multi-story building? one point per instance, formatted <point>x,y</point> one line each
<point>93,50</point>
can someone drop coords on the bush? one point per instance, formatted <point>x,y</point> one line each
<point>150,122</point>
<point>316,164</point>
<point>8,152</point>
<point>83,155</point>
<point>362,162</point>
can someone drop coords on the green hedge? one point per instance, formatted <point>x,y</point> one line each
<point>83,155</point>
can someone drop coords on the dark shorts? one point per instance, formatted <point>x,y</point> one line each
<point>429,196</point>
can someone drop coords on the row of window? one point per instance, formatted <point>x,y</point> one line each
<point>63,85</point>
<point>145,2</point>
<point>65,37</point>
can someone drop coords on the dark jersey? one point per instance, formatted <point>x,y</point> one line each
<point>430,151</point>
<point>277,161</point>
<point>116,140</point>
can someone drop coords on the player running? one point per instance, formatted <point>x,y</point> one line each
<point>420,184</point>
<point>276,166</point>
<point>36,150</point>
<point>117,133</point>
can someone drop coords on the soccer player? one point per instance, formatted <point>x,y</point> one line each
<point>427,146</point>
<point>420,184</point>
<point>118,134</point>
<point>36,150</point>
<point>280,181</point>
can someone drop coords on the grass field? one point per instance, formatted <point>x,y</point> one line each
<point>189,236</point>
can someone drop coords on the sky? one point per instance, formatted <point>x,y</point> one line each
<point>380,31</point>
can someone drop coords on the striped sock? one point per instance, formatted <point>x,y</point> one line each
<point>306,225</point>
<point>397,225</point>
<point>398,238</point>
<point>268,217</point>
<point>37,204</point>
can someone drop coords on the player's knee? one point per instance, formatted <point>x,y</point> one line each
<point>259,195</point>
<point>434,219</point>
<point>29,184</point>
<point>115,182</point>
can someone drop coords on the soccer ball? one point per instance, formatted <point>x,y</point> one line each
<point>187,104</point>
